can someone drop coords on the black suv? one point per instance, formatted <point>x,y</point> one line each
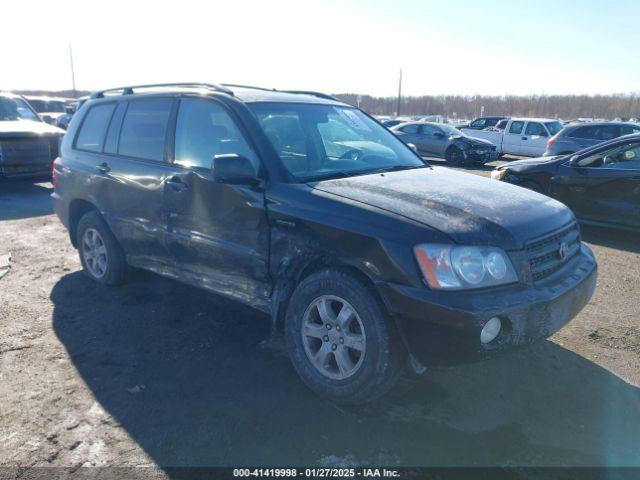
<point>308,209</point>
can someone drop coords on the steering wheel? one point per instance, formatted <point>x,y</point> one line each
<point>351,154</point>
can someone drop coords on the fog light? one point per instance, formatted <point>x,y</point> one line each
<point>490,330</point>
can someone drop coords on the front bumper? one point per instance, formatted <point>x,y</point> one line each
<point>482,156</point>
<point>443,328</point>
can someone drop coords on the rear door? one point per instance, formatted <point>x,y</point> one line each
<point>129,174</point>
<point>512,138</point>
<point>534,140</point>
<point>603,186</point>
<point>218,233</point>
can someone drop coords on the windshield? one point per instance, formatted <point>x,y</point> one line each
<point>324,141</point>
<point>42,106</point>
<point>15,109</point>
<point>553,127</point>
<point>451,131</point>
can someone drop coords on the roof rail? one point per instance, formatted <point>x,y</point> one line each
<point>130,89</point>
<point>250,87</point>
<point>326,96</point>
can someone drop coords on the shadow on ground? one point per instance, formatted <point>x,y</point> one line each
<point>612,238</point>
<point>24,199</point>
<point>218,392</point>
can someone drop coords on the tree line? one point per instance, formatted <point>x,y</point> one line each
<point>566,107</point>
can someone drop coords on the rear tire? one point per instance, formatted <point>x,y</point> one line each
<point>101,256</point>
<point>351,365</point>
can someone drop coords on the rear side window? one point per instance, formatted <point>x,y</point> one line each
<point>583,132</point>
<point>94,127</point>
<point>144,128</point>
<point>629,129</point>
<point>516,127</point>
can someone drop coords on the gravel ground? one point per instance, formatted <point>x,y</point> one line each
<point>157,373</point>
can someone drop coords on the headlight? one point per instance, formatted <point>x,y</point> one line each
<point>451,267</point>
<point>498,174</point>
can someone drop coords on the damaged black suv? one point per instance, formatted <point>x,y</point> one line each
<point>308,209</point>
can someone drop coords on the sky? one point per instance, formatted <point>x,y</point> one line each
<point>487,47</point>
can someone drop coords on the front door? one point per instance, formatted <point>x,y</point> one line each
<point>603,186</point>
<point>534,140</point>
<point>433,140</point>
<point>218,233</point>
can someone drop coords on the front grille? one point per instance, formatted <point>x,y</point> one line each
<point>27,153</point>
<point>545,256</point>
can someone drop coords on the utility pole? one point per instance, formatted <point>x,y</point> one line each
<point>399,93</point>
<point>73,75</point>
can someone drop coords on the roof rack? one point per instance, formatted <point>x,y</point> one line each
<point>130,89</point>
<point>326,96</point>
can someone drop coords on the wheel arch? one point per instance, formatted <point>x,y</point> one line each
<point>77,209</point>
<point>287,284</point>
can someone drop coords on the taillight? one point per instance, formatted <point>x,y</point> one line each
<point>551,141</point>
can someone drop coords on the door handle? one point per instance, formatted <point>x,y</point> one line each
<point>177,184</point>
<point>524,138</point>
<point>103,167</point>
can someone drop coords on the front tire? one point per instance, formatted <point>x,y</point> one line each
<point>340,341</point>
<point>454,156</point>
<point>101,256</point>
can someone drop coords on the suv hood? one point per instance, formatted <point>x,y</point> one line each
<point>27,127</point>
<point>468,208</point>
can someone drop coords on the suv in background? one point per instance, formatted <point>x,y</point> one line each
<point>311,211</point>
<point>579,136</point>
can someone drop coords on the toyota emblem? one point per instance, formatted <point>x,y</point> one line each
<point>563,251</point>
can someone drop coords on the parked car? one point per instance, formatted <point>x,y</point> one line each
<point>309,210</point>
<point>445,141</point>
<point>521,136</point>
<point>48,108</point>
<point>579,136</point>
<point>63,120</point>
<point>28,146</point>
<point>392,122</point>
<point>483,122</point>
<point>600,184</point>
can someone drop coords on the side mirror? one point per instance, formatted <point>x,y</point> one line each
<point>412,147</point>
<point>235,169</point>
<point>573,160</point>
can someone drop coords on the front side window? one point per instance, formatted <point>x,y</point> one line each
<point>94,127</point>
<point>430,130</point>
<point>516,127</point>
<point>144,128</point>
<point>608,132</point>
<point>412,128</point>
<point>204,129</point>
<point>535,128</point>
<point>316,142</point>
<point>12,109</point>
<point>623,157</point>
<point>479,123</point>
